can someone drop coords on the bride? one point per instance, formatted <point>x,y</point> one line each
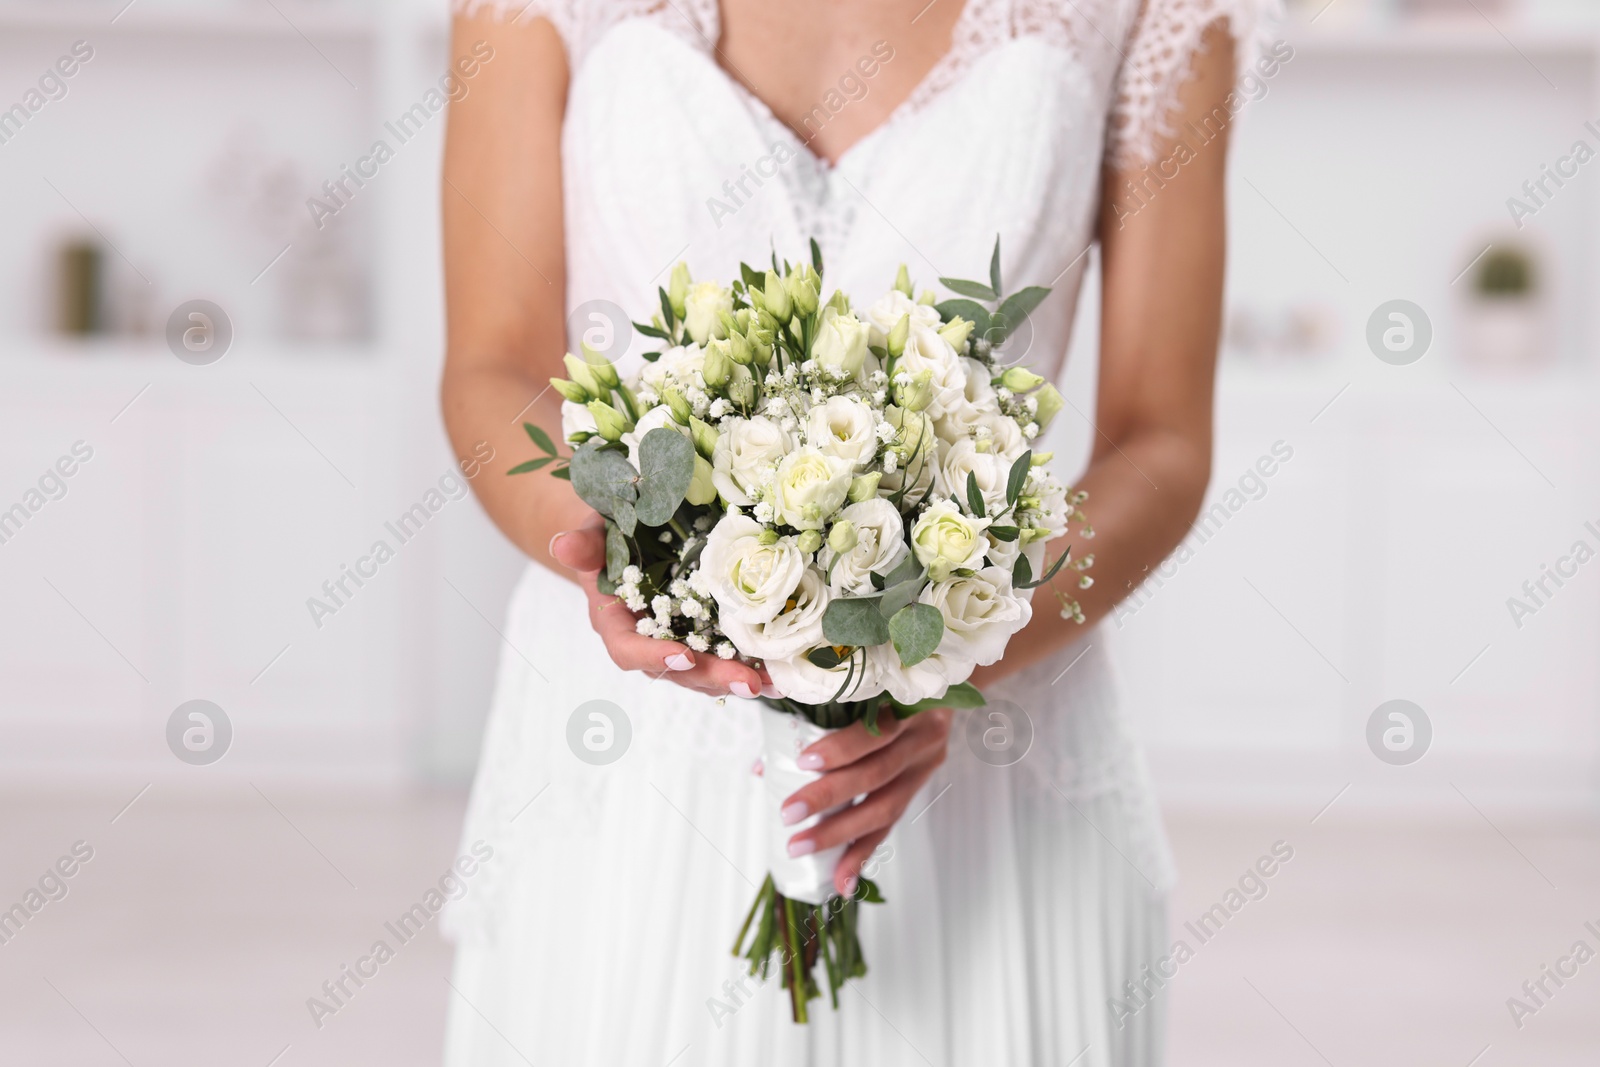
<point>1019,846</point>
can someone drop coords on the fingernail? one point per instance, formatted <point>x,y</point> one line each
<point>680,661</point>
<point>809,762</point>
<point>556,539</point>
<point>793,813</point>
<point>742,689</point>
<point>770,691</point>
<point>803,847</point>
<point>850,886</point>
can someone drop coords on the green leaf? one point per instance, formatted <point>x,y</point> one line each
<point>651,357</point>
<point>973,289</point>
<point>667,314</point>
<point>1019,305</point>
<point>905,570</point>
<point>617,556</point>
<point>604,584</point>
<point>666,467</point>
<point>967,309</point>
<point>816,256</point>
<point>975,497</point>
<point>962,695</point>
<point>606,481</point>
<point>1018,477</point>
<point>1005,533</point>
<point>855,622</point>
<point>1022,572</point>
<point>916,630</point>
<point>753,278</point>
<point>541,439</point>
<point>1054,567</point>
<point>825,657</point>
<point>994,267</point>
<point>867,892</point>
<point>652,331</point>
<point>900,594</point>
<point>870,720</point>
<point>564,473</point>
<point>876,579</point>
<point>531,465</point>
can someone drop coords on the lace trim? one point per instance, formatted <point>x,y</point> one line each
<point>581,22</point>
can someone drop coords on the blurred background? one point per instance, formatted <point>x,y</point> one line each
<point>210,407</point>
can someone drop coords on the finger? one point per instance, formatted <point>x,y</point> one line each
<point>633,651</point>
<point>846,783</point>
<point>848,873</point>
<point>583,549</point>
<point>843,747</point>
<point>879,811</point>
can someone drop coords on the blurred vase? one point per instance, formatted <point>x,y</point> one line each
<point>1505,333</point>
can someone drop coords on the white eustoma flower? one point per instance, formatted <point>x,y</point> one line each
<point>794,631</point>
<point>961,459</point>
<point>927,351</point>
<point>840,347</point>
<point>799,679</point>
<point>650,420</point>
<point>751,580</point>
<point>980,614</point>
<point>576,419</point>
<point>681,365</point>
<point>882,316</point>
<point>880,546</point>
<point>920,681</point>
<point>843,427</point>
<point>977,405</point>
<point>703,310</point>
<point>944,538</point>
<point>809,487</point>
<point>746,457</point>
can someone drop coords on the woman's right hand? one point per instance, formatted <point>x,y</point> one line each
<point>584,550</point>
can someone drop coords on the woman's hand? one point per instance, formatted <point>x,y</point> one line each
<point>584,550</point>
<point>889,769</point>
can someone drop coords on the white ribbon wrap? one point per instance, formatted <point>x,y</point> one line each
<point>804,878</point>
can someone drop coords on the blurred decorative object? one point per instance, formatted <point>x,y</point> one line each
<point>322,294</point>
<point>80,288</point>
<point>1504,318</point>
<point>1292,334</point>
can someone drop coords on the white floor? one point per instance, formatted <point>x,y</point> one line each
<point>202,924</point>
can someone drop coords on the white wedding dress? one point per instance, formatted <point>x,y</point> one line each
<point>1021,899</point>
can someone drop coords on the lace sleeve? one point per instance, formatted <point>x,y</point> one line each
<point>1160,49</point>
<point>562,14</point>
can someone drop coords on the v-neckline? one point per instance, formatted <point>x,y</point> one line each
<point>821,162</point>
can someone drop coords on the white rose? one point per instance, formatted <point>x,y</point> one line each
<point>750,581</point>
<point>810,486</point>
<point>746,457</point>
<point>650,420</point>
<point>703,309</point>
<point>880,546</point>
<point>980,614</point>
<point>927,351</point>
<point>921,681</point>
<point>794,631</point>
<point>959,460</point>
<point>682,364</point>
<point>576,419</point>
<point>799,679</point>
<point>884,315</point>
<point>978,404</point>
<point>1005,436</point>
<point>843,427</point>
<point>841,344</point>
<point>943,538</point>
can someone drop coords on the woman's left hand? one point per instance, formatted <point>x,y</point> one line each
<point>889,769</point>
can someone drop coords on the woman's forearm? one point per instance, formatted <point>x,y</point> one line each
<point>1144,493</point>
<point>490,404</point>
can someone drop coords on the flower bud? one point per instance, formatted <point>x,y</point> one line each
<point>928,297</point>
<point>702,490</point>
<point>803,290</point>
<point>704,436</point>
<point>1041,458</point>
<point>956,332</point>
<point>742,387</point>
<point>1020,379</point>
<point>839,302</point>
<point>1050,404</point>
<point>571,390</point>
<point>778,302</point>
<point>864,487</point>
<point>678,289</point>
<point>843,537</point>
<point>739,349</point>
<point>718,366</point>
<point>761,349</point>
<point>767,537</point>
<point>580,371</point>
<point>916,394</point>
<point>608,421</point>
<point>897,336</point>
<point>902,280</point>
<point>681,411</point>
<point>604,372</point>
<point>809,541</point>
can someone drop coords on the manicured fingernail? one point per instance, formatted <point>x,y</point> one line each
<point>556,539</point>
<point>803,847</point>
<point>680,661</point>
<point>850,886</point>
<point>793,813</point>
<point>809,762</point>
<point>742,689</point>
<point>770,691</point>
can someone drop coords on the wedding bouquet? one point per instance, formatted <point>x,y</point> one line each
<point>845,497</point>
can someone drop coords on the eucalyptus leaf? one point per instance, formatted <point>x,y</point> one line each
<point>977,290</point>
<point>617,556</point>
<point>904,571</point>
<point>1019,305</point>
<point>607,482</point>
<point>970,310</point>
<point>962,695</point>
<point>540,438</point>
<point>666,467</point>
<point>916,630</point>
<point>604,584</point>
<point>1018,477</point>
<point>900,594</point>
<point>994,267</point>
<point>855,622</point>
